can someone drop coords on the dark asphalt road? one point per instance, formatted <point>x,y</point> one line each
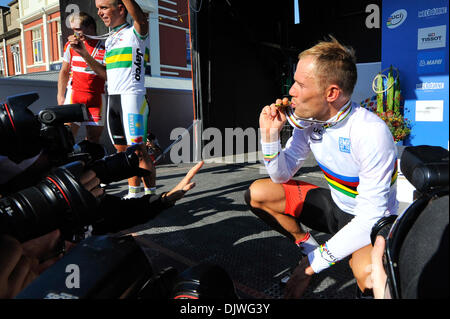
<point>212,224</point>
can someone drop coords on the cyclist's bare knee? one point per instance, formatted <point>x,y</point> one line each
<point>264,194</point>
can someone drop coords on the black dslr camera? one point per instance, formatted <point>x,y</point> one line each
<point>23,134</point>
<point>58,200</point>
<point>105,266</point>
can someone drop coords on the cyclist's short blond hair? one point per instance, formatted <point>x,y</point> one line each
<point>335,64</point>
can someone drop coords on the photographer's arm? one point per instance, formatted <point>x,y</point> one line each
<point>140,210</point>
<point>183,186</point>
<point>119,214</point>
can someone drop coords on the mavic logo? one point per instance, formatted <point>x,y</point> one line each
<point>430,62</point>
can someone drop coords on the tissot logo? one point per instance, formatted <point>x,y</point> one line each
<point>430,38</point>
<point>396,19</point>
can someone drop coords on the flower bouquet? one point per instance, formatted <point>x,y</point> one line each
<point>387,104</point>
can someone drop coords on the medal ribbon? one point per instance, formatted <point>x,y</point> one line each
<point>302,123</point>
<point>105,36</point>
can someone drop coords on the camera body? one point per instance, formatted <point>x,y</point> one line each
<point>110,266</point>
<point>24,134</point>
<point>58,200</point>
<point>426,168</point>
<point>115,267</point>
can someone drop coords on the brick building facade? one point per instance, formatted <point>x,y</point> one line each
<point>33,40</point>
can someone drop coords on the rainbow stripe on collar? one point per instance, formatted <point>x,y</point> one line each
<point>342,115</point>
<point>293,120</point>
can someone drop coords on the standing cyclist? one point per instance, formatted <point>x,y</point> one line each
<point>77,83</point>
<point>125,73</point>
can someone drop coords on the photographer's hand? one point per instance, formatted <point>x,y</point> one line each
<point>20,263</point>
<point>92,183</point>
<point>16,269</point>
<point>47,249</point>
<point>377,279</point>
<point>183,186</point>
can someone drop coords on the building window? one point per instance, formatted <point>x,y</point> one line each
<point>2,65</point>
<point>188,48</point>
<point>37,45</point>
<point>60,39</point>
<point>15,49</point>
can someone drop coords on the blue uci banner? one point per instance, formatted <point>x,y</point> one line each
<point>415,40</point>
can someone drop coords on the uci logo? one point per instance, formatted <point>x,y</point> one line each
<point>317,133</point>
<point>396,19</point>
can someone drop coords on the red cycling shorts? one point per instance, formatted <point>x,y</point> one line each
<point>295,192</point>
<point>95,103</point>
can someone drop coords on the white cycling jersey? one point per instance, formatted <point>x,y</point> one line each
<point>125,59</point>
<point>359,160</point>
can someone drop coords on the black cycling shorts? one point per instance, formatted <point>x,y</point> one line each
<point>127,119</point>
<point>321,213</point>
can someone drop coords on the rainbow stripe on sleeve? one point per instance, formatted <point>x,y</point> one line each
<point>270,157</point>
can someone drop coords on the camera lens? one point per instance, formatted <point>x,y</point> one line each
<point>117,167</point>
<point>382,227</point>
<point>57,202</point>
<point>204,281</point>
<point>19,133</point>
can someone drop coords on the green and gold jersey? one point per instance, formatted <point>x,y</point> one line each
<point>126,58</point>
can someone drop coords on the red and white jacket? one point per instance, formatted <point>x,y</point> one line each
<point>83,79</point>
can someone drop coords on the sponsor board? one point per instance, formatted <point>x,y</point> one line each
<point>431,62</point>
<point>432,12</point>
<point>430,111</point>
<point>432,37</point>
<point>428,86</point>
